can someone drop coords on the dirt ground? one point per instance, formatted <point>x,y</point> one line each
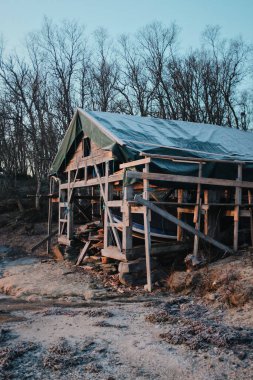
<point>58,321</point>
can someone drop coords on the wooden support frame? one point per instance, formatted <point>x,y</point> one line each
<point>189,179</point>
<point>115,232</point>
<point>184,225</point>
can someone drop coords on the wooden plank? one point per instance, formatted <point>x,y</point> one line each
<point>88,161</point>
<point>206,208</point>
<point>185,210</point>
<point>117,203</point>
<point>192,159</point>
<point>94,181</point>
<point>114,253</point>
<point>83,253</point>
<point>184,225</point>
<point>117,225</point>
<point>179,214</point>
<point>230,213</point>
<point>70,207</point>
<point>127,238</point>
<point>189,179</point>
<point>142,161</point>
<point>36,246</point>
<point>62,239</point>
<point>137,209</point>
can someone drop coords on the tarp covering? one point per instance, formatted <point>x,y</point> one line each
<point>128,135</point>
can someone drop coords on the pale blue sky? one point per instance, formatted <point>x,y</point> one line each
<point>18,17</point>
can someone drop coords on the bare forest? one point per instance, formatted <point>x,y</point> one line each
<point>146,73</point>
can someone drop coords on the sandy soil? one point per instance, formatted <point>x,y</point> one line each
<point>61,322</point>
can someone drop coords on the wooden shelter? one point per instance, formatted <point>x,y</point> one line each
<point>128,168</point>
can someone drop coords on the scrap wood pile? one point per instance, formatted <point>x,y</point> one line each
<point>92,235</point>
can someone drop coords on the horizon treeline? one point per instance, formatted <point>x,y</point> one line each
<point>141,74</point>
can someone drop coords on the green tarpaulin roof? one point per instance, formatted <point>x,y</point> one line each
<point>128,135</point>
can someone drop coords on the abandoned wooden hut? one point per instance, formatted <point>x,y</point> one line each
<point>147,184</point>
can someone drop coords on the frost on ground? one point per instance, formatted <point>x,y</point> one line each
<point>61,322</point>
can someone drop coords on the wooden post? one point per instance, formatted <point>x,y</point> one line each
<point>127,238</point>
<point>108,190</point>
<point>70,209</point>
<point>197,214</point>
<point>251,216</point>
<point>147,218</point>
<point>179,214</point>
<point>238,200</point>
<point>50,204</point>
<point>206,204</point>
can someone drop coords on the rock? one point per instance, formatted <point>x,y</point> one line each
<point>134,266</point>
<point>138,278</point>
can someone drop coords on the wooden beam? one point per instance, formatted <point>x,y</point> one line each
<point>117,203</point>
<point>83,253</point>
<point>113,253</point>
<point>189,179</point>
<point>62,239</point>
<point>142,161</point>
<point>184,225</point>
<point>146,218</point>
<point>93,181</point>
<point>36,246</point>
<point>179,213</point>
<point>88,161</point>
<point>127,238</point>
<point>193,159</point>
<point>70,208</point>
